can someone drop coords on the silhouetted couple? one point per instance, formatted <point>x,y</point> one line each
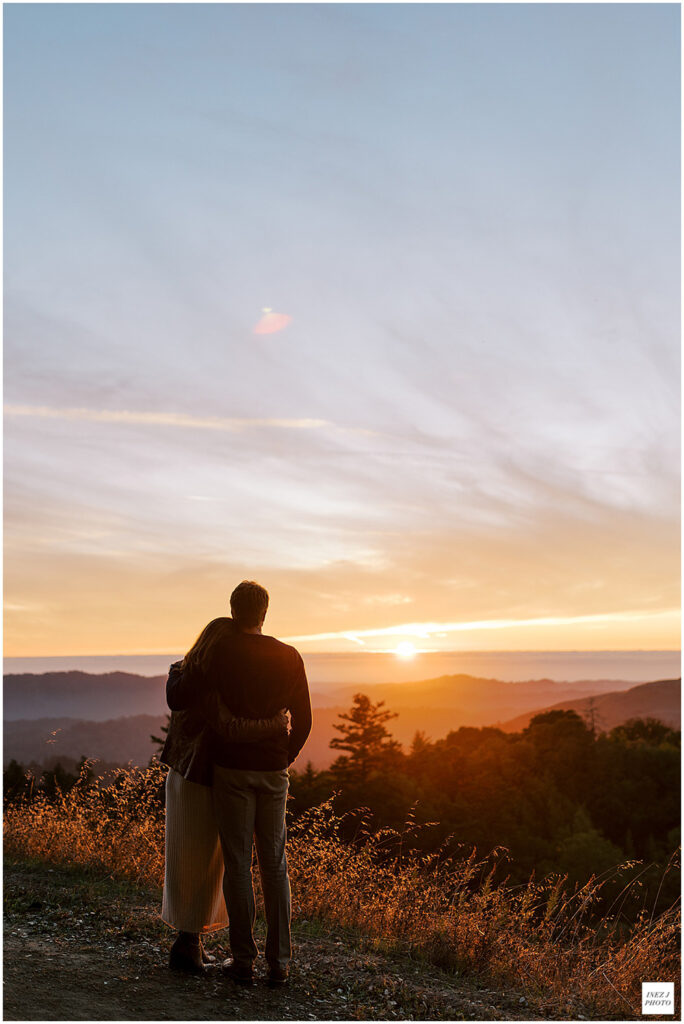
<point>229,749</point>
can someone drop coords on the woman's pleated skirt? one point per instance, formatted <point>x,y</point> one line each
<point>193,874</point>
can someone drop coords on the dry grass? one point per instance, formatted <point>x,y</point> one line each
<point>538,937</point>
<point>118,830</point>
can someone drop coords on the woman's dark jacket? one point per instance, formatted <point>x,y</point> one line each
<point>186,749</point>
<point>187,746</point>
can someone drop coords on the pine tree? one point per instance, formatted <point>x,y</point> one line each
<point>365,738</point>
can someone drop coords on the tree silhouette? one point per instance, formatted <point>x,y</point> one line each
<point>57,780</point>
<point>160,740</point>
<point>15,781</point>
<point>646,730</point>
<point>593,720</point>
<point>556,795</point>
<point>365,738</point>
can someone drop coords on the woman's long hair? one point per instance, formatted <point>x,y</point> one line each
<point>199,655</point>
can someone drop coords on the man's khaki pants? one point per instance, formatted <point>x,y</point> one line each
<point>248,805</point>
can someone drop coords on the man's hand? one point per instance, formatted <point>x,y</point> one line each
<point>245,730</point>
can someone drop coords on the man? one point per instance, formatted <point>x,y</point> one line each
<point>256,675</point>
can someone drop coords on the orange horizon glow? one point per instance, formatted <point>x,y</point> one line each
<point>626,631</point>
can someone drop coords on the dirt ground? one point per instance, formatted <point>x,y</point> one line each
<point>88,948</point>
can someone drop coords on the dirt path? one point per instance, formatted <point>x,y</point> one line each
<point>85,948</point>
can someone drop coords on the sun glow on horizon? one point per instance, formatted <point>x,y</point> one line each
<point>405,649</point>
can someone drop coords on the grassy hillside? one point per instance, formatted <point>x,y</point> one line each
<point>84,946</point>
<point>539,938</point>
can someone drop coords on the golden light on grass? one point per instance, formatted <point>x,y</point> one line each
<point>444,912</point>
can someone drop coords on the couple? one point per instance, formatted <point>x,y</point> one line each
<point>228,751</point>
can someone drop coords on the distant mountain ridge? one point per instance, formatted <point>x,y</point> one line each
<point>98,697</point>
<point>473,695</point>
<point>118,740</point>
<point>60,724</point>
<point>82,695</point>
<point>660,699</point>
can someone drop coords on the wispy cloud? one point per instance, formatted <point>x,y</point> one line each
<point>427,629</point>
<point>162,419</point>
<point>474,406</point>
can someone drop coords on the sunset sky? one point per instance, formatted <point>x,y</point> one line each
<point>375,304</point>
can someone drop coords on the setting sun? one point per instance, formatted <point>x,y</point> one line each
<point>405,649</point>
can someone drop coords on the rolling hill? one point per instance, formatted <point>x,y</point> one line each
<point>100,697</point>
<point>70,714</point>
<point>118,741</point>
<point>661,700</point>
<point>82,695</point>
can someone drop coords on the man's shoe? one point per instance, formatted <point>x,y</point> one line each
<point>186,955</point>
<point>241,974</point>
<point>276,977</point>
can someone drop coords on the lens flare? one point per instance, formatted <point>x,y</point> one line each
<point>271,322</point>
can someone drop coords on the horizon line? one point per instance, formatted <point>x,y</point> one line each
<point>354,653</point>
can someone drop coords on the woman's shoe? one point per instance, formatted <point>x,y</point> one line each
<point>186,954</point>
<point>207,958</point>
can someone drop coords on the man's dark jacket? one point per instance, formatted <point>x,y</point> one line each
<point>194,705</point>
<point>255,676</point>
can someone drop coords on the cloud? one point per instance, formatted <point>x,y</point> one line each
<point>163,419</point>
<point>427,629</point>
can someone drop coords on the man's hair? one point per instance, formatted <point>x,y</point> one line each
<point>248,604</point>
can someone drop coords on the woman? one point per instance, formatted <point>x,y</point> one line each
<point>193,900</point>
